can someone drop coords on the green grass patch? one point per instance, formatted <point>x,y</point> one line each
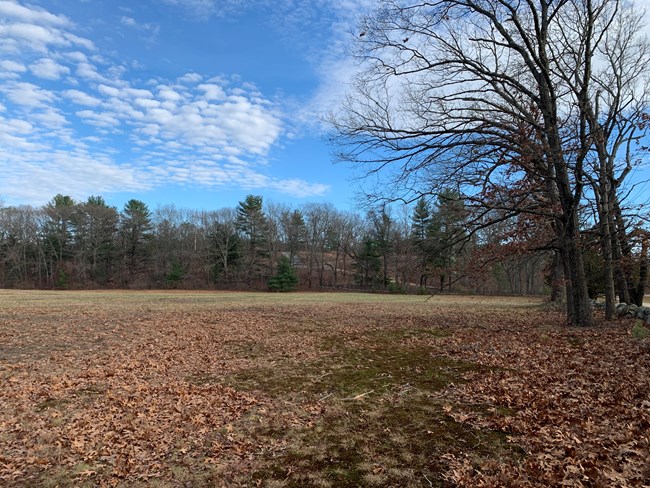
<point>51,403</point>
<point>381,365</point>
<point>382,423</point>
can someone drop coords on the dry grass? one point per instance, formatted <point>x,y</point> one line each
<point>255,389</point>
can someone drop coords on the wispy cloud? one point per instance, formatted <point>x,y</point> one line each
<point>200,9</point>
<point>149,31</point>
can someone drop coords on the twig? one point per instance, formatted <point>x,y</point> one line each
<point>325,397</point>
<point>428,480</point>
<point>358,397</point>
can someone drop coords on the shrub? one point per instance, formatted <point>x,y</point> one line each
<point>639,331</point>
<point>176,275</point>
<point>286,278</point>
<point>395,288</point>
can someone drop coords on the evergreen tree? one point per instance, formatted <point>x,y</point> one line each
<point>253,228</point>
<point>446,236</point>
<point>384,239</point>
<point>58,234</point>
<point>367,264</point>
<point>296,233</point>
<point>286,278</point>
<point>175,275</point>
<point>95,225</point>
<point>420,237</point>
<point>136,233</point>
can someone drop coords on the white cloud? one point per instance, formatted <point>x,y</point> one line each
<point>31,14</point>
<point>8,65</point>
<point>77,174</point>
<point>111,133</point>
<point>48,69</point>
<point>190,78</point>
<point>27,94</point>
<point>50,118</point>
<point>212,92</point>
<point>128,21</point>
<point>111,91</point>
<point>89,72</point>
<point>81,98</point>
<point>98,119</point>
<point>16,126</point>
<point>169,94</point>
<point>299,188</point>
<point>15,37</point>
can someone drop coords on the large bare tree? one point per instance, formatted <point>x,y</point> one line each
<point>506,101</point>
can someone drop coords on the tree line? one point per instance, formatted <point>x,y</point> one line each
<point>419,248</point>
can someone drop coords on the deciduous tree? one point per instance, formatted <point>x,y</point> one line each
<point>478,94</point>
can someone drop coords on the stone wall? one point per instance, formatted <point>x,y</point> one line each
<point>634,311</point>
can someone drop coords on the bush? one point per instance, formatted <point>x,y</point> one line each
<point>62,280</point>
<point>176,275</point>
<point>286,278</point>
<point>395,288</point>
<point>640,331</point>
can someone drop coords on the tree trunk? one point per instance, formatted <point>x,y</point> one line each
<point>606,241</point>
<point>643,273</point>
<point>557,278</point>
<point>579,311</point>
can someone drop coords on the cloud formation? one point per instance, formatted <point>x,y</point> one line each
<point>72,121</point>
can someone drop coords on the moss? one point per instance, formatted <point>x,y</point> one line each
<point>398,442</point>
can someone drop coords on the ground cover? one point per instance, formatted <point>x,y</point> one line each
<point>187,389</point>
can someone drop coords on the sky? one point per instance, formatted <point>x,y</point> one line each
<point>195,103</point>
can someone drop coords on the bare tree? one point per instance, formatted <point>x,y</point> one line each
<point>224,243</point>
<point>318,220</point>
<point>489,97</point>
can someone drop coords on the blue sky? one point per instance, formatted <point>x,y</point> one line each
<point>195,103</point>
<point>191,102</point>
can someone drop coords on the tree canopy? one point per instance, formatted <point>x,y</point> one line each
<point>523,108</point>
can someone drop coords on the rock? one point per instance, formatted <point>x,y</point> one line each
<point>634,311</point>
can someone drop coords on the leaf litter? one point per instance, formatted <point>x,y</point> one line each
<point>200,393</point>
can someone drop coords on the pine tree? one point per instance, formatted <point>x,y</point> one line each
<point>136,232</point>
<point>286,278</point>
<point>420,237</point>
<point>253,227</point>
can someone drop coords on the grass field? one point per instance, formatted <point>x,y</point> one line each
<point>191,389</point>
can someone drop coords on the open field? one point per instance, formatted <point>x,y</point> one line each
<point>191,389</point>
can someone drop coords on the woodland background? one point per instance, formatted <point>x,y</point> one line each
<point>89,244</point>
<point>424,248</point>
